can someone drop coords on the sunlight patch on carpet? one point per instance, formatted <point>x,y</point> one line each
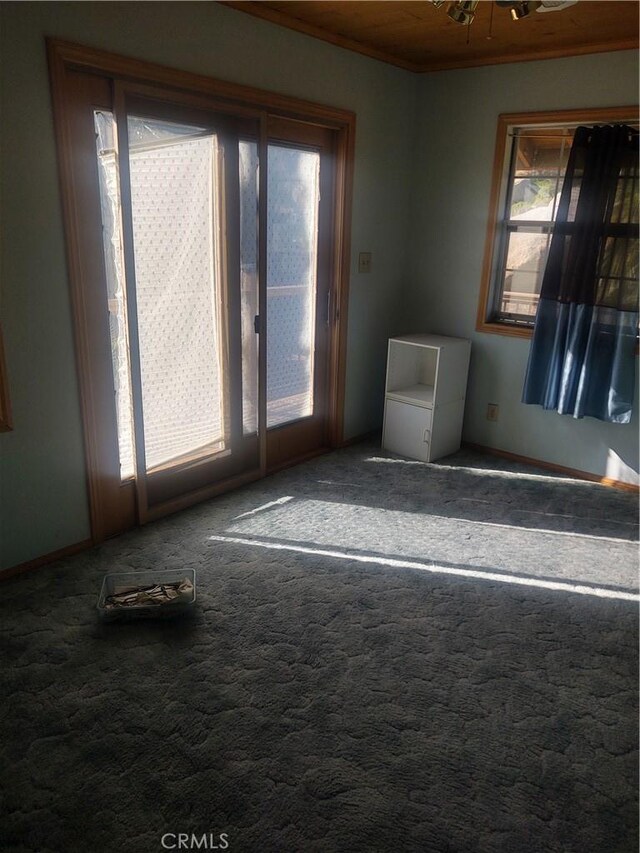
<point>580,589</point>
<point>439,538</point>
<point>486,472</point>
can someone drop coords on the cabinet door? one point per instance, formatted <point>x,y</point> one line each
<point>407,430</point>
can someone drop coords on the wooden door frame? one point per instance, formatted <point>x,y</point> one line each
<point>66,56</point>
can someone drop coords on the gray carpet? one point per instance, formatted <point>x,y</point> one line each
<point>384,656</point>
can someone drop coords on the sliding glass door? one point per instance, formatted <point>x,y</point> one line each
<point>203,262</point>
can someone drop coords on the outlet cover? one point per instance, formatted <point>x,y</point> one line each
<point>492,412</point>
<point>364,262</point>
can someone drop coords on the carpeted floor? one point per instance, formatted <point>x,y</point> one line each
<point>384,656</point>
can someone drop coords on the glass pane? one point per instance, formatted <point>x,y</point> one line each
<point>117,305</point>
<point>626,204</point>
<point>526,257</point>
<point>174,202</point>
<point>533,198</point>
<point>153,133</point>
<point>520,294</point>
<point>619,258</point>
<point>527,251</point>
<point>541,156</point>
<point>292,237</point>
<point>573,201</point>
<point>248,163</point>
<point>542,151</point>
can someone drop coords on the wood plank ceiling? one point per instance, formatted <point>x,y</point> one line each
<point>417,36</point>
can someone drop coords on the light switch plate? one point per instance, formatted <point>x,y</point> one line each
<point>364,262</point>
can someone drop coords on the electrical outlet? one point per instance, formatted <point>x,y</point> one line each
<point>492,412</point>
<point>364,262</point>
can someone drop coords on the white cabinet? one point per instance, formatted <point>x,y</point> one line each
<point>424,395</point>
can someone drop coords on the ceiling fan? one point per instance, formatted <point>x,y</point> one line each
<point>464,12</point>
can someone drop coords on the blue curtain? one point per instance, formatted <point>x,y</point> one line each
<point>582,359</point>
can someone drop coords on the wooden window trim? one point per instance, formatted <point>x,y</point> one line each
<point>65,56</point>
<point>505,121</point>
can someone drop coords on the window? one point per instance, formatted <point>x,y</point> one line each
<point>530,161</point>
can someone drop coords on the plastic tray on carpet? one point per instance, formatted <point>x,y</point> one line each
<point>158,584</point>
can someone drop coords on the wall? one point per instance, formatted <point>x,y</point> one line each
<point>43,503</point>
<point>457,118</point>
<point>437,157</point>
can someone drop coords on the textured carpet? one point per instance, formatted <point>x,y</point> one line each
<point>384,656</point>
